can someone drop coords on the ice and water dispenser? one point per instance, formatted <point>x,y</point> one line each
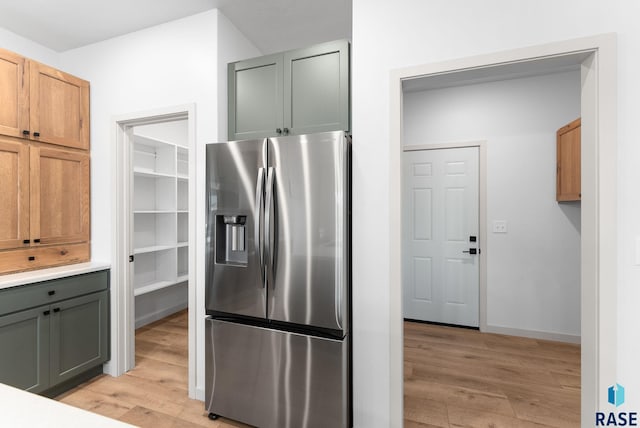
<point>231,239</point>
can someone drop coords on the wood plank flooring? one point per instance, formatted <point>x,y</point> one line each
<point>456,377</point>
<point>155,393</point>
<point>453,378</point>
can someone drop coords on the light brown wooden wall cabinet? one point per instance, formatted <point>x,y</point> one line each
<point>568,162</point>
<point>40,103</point>
<point>44,166</point>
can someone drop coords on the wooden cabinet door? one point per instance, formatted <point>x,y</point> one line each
<point>568,185</point>
<point>79,335</point>
<point>59,112</point>
<point>255,98</point>
<point>59,196</point>
<point>316,89</point>
<point>24,349</point>
<point>14,94</point>
<point>14,193</point>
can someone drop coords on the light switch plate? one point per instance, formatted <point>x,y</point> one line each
<point>499,226</point>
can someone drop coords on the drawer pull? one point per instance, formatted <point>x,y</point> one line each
<point>45,313</point>
<point>26,241</point>
<point>26,132</point>
<point>36,134</point>
<point>56,310</point>
<point>37,241</point>
<point>52,292</point>
<point>32,258</point>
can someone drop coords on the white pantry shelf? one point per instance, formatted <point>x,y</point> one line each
<point>149,173</point>
<point>153,249</point>
<point>155,286</point>
<point>160,178</point>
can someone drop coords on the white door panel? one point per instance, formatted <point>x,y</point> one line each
<point>440,214</point>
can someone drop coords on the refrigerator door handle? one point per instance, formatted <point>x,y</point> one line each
<point>258,223</point>
<point>268,218</point>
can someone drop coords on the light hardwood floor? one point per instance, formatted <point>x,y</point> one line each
<point>456,377</point>
<point>453,378</point>
<point>155,393</point>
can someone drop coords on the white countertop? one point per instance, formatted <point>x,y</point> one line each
<point>21,409</point>
<point>23,278</point>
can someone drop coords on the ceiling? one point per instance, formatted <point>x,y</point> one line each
<point>272,25</point>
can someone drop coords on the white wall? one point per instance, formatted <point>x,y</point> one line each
<point>175,132</point>
<point>232,46</point>
<point>168,65</point>
<point>391,35</point>
<point>533,271</point>
<point>27,48</point>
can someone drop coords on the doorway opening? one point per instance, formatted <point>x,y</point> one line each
<point>155,252</point>
<point>534,260</point>
<point>596,59</point>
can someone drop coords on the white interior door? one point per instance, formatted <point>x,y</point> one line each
<point>440,233</point>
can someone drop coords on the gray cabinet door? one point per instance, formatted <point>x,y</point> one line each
<point>79,335</point>
<point>24,350</point>
<point>316,89</point>
<point>255,98</point>
<point>302,91</point>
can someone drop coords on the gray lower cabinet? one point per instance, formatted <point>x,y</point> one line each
<point>24,349</point>
<point>49,348</point>
<point>78,338</point>
<point>297,92</point>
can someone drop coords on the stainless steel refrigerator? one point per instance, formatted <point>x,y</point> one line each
<point>278,298</point>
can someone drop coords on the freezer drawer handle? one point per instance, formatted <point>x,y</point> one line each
<point>257,218</point>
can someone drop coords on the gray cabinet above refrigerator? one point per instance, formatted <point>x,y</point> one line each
<point>297,92</point>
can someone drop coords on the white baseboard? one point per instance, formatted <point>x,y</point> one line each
<point>533,334</point>
<point>159,314</point>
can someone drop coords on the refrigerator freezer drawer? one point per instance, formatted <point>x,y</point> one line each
<point>276,379</point>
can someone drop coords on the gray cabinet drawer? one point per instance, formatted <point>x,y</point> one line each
<point>42,293</point>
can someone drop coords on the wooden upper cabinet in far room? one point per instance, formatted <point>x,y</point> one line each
<point>568,162</point>
<point>40,103</point>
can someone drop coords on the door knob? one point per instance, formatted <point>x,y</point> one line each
<point>471,251</point>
